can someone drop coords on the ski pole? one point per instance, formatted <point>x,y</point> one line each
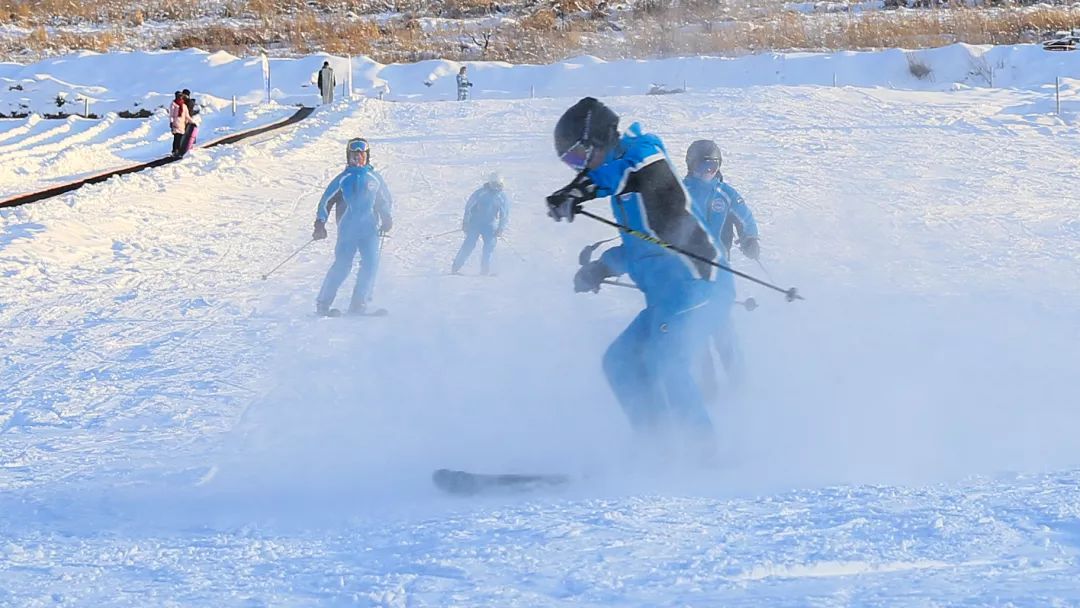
<point>749,303</point>
<point>585,256</point>
<point>763,269</point>
<point>447,233</point>
<point>291,256</point>
<point>512,249</point>
<point>619,283</point>
<point>791,294</point>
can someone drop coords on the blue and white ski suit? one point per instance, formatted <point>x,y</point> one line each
<point>486,215</point>
<point>463,85</point>
<point>363,210</point>
<point>650,365</point>
<point>722,209</point>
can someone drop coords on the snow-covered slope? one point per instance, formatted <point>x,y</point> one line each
<point>176,431</point>
<point>129,81</point>
<point>40,153</point>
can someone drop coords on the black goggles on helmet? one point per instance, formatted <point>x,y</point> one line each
<point>709,165</point>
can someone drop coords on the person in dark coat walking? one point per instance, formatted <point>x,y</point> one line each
<point>327,83</point>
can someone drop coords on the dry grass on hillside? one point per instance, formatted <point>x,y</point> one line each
<point>544,33</point>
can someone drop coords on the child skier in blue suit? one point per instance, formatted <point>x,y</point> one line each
<point>724,212</point>
<point>486,215</point>
<point>650,365</point>
<point>363,208</point>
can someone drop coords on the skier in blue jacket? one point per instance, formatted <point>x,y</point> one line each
<point>724,213</point>
<point>721,206</point>
<point>486,215</point>
<point>650,365</point>
<point>363,207</point>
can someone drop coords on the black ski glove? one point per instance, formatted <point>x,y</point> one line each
<point>385,226</point>
<point>590,275</point>
<point>564,203</point>
<point>750,248</point>
<point>320,231</point>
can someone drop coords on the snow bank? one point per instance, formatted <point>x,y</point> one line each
<point>129,81</point>
<point>42,153</point>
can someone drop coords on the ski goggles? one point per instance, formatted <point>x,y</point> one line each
<point>709,165</point>
<point>578,156</point>
<point>357,153</point>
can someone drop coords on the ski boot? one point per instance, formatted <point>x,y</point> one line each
<point>357,308</point>
<point>324,310</point>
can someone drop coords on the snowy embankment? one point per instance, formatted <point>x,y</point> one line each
<point>129,81</point>
<point>39,153</point>
<point>174,430</point>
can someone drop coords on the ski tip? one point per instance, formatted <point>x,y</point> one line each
<point>334,313</point>
<point>207,476</point>
<point>465,483</point>
<point>455,482</point>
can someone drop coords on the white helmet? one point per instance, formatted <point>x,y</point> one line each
<point>495,180</point>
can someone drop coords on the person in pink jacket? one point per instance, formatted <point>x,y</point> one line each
<point>179,117</point>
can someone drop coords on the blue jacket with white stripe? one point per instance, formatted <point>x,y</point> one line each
<point>722,209</point>
<point>647,196</point>
<point>362,200</point>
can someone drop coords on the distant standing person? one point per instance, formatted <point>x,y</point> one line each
<point>192,130</point>
<point>178,121</point>
<point>327,83</point>
<point>463,84</point>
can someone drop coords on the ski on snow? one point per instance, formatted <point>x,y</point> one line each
<point>335,313</point>
<point>466,483</point>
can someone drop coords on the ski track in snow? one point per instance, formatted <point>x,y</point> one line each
<point>176,431</point>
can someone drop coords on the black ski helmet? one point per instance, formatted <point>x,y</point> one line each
<point>699,151</point>
<point>587,122</point>
<point>353,149</point>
